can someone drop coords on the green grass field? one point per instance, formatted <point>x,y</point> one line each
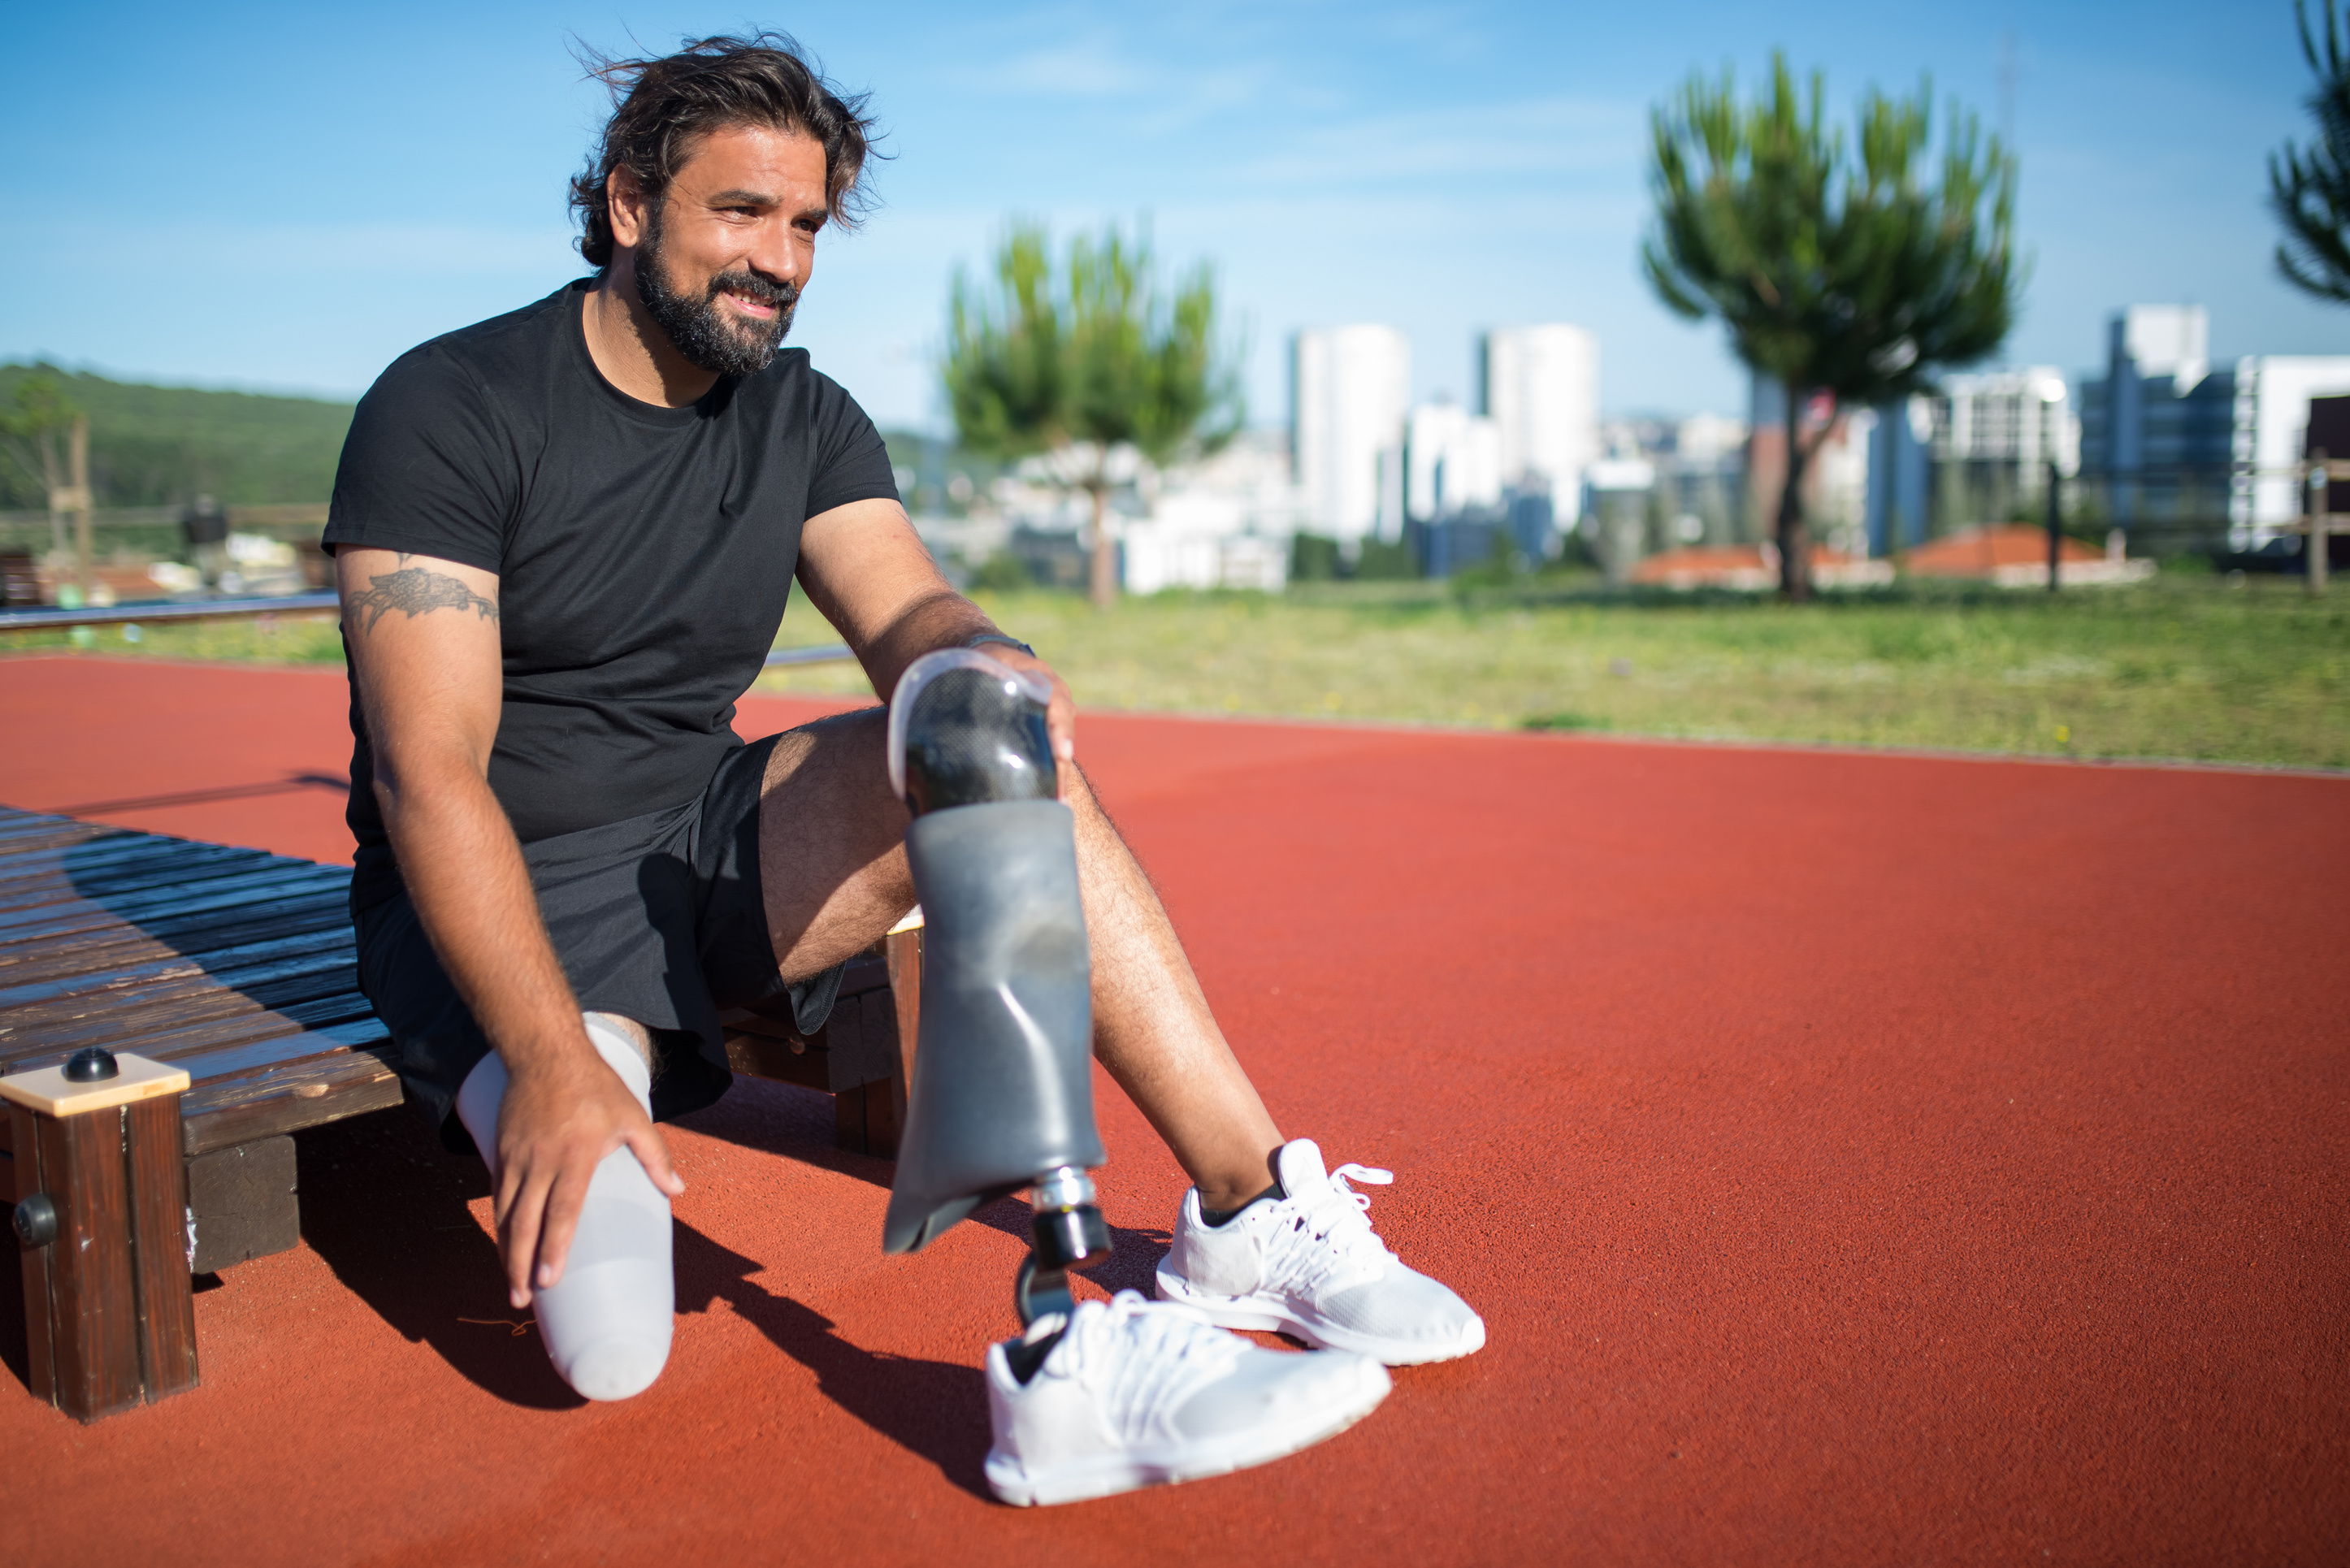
<point>2186,665</point>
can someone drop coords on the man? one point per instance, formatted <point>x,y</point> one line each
<point>565,538</point>
<point>205,527</point>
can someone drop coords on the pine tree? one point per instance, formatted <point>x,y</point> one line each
<point>1854,280</point>
<point>2310,188</point>
<point>1093,369</point>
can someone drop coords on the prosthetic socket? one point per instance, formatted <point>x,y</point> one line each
<point>1002,1097</point>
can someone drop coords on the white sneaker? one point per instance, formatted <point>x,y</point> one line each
<point>1310,1264</point>
<point>1137,1393</point>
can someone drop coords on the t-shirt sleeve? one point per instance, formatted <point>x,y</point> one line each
<point>852,463</point>
<point>426,468</point>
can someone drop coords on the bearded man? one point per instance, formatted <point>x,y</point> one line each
<point>565,538</point>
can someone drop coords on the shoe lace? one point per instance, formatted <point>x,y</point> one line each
<point>1143,1358</point>
<point>1329,1241</point>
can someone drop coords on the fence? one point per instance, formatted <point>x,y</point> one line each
<point>149,532</point>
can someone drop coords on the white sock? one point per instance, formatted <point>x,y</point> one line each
<point>607,1325</point>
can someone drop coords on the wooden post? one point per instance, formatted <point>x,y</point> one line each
<point>77,449</point>
<point>102,1215</point>
<point>904,948</point>
<point>2321,531</point>
<point>2056,533</point>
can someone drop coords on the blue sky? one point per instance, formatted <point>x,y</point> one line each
<point>275,196</point>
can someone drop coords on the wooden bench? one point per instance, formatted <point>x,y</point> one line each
<point>238,969</point>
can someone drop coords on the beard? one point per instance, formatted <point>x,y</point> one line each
<point>711,337</point>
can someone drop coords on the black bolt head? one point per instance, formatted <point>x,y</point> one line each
<point>35,1221</point>
<point>91,1064</point>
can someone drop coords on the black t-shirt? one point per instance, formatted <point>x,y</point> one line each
<point>644,554</point>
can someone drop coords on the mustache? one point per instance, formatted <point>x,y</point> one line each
<point>751,286</point>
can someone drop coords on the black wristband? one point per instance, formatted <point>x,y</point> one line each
<point>999,636</point>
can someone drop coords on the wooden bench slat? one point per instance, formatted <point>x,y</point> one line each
<point>226,893</point>
<point>31,841</point>
<point>251,1031</point>
<point>64,885</point>
<point>164,886</point>
<point>108,861</point>
<point>296,962</point>
<point>35,829</point>
<point>192,937</point>
<point>113,1027</point>
<point>114,848</point>
<point>230,966</point>
<point>177,897</point>
<point>78,952</point>
<point>223,1063</point>
<point>286,1099</point>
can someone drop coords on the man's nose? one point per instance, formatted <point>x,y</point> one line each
<point>780,256</point>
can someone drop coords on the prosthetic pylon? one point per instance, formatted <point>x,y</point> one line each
<point>1002,1097</point>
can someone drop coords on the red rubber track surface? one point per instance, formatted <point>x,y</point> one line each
<point>1858,1160</point>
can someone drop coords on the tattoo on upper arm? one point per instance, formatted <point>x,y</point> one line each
<point>418,592</point>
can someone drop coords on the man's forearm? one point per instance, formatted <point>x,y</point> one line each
<point>943,619</point>
<point>465,870</point>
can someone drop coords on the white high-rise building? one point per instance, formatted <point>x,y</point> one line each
<point>1349,387</point>
<point>1540,389</point>
<point>2172,340</point>
<point>2022,417</point>
<point>1453,460</point>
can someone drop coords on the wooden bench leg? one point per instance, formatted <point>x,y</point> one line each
<point>863,1056</point>
<point>903,949</point>
<point>102,1214</point>
<point>242,1203</point>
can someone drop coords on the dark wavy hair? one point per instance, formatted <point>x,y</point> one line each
<point>663,108</point>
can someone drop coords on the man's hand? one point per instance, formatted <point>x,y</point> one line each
<point>562,1114</point>
<point>1060,716</point>
<point>867,572</point>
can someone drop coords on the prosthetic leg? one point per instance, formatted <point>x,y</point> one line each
<point>1002,1097</point>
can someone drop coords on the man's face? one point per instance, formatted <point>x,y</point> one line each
<point>721,261</point>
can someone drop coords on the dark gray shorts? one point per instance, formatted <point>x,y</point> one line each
<point>656,918</point>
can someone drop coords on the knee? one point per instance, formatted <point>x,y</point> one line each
<point>635,1035</point>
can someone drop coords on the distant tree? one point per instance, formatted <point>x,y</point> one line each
<point>2310,188</point>
<point>1096,369</point>
<point>30,424</point>
<point>1848,281</point>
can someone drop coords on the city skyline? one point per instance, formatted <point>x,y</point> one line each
<point>1447,171</point>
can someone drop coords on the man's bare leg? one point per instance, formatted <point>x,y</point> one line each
<point>627,1029</point>
<point>832,863</point>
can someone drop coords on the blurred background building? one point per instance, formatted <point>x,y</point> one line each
<point>1349,390</point>
<point>2179,453</point>
<point>1540,388</point>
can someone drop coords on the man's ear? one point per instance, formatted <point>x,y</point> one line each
<point>625,202</point>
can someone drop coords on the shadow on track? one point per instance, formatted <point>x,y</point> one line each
<point>933,1409</point>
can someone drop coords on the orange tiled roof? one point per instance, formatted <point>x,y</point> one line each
<point>1725,563</point>
<point>1975,552</point>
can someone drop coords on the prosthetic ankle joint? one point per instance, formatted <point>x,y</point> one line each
<point>1002,1097</point>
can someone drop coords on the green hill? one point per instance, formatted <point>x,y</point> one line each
<point>163,446</point>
